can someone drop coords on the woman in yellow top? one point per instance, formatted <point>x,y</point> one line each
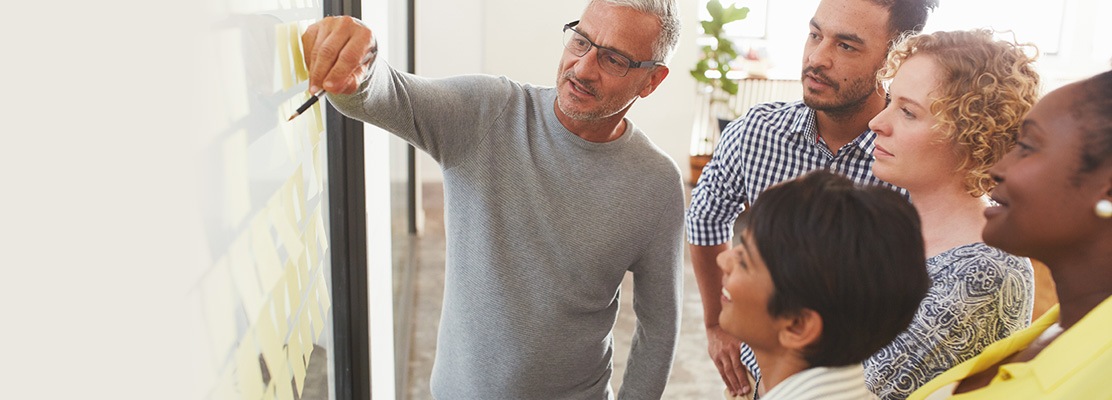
<point>1055,196</point>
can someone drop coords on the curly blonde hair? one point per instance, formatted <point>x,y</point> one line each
<point>986,88</point>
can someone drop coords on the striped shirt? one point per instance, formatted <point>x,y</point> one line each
<point>773,143</point>
<point>825,383</point>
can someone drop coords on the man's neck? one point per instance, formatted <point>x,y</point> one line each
<point>599,130</point>
<point>838,128</point>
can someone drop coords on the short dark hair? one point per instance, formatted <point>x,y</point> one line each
<point>1093,111</point>
<point>907,15</point>
<point>853,254</point>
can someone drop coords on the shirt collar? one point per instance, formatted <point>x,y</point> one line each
<point>1075,348</point>
<point>804,124</point>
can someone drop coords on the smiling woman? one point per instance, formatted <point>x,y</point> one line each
<point>1055,194</point>
<point>807,282</point>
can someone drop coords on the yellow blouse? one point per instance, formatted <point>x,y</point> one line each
<point>1076,365</point>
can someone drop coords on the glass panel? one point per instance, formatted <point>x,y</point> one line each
<point>265,298</point>
<point>401,204</point>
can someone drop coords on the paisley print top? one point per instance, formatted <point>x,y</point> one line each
<point>978,295</point>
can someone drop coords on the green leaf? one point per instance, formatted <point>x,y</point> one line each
<point>726,48</point>
<point>714,8</point>
<point>711,28</point>
<point>729,86</point>
<point>734,14</point>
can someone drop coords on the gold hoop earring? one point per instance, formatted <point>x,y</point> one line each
<point>1104,209</point>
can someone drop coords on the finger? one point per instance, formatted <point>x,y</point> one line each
<point>344,76</point>
<point>731,375</point>
<point>356,43</point>
<point>724,373</point>
<point>308,41</point>
<point>323,57</point>
<point>741,373</point>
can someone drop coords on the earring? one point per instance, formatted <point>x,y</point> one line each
<point>1104,208</point>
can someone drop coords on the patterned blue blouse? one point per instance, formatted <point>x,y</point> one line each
<point>979,294</point>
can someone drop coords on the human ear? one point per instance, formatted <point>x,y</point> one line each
<point>658,75</point>
<point>802,330</point>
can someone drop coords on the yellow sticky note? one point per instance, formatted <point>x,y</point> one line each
<point>237,196</point>
<point>318,118</point>
<point>283,389</point>
<point>279,297</point>
<point>318,320</point>
<point>296,188</point>
<point>291,130</point>
<point>295,49</point>
<point>314,126</point>
<point>282,39</point>
<point>306,330</point>
<point>293,286</point>
<point>270,388</point>
<point>248,372</point>
<point>303,272</point>
<point>270,343</point>
<point>322,233</point>
<point>266,253</point>
<point>322,292</point>
<point>245,276</point>
<point>310,240</point>
<point>287,230</point>
<point>313,188</point>
<point>297,362</point>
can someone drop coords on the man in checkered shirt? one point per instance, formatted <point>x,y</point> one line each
<point>846,45</point>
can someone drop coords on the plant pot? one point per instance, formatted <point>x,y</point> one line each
<point>697,164</point>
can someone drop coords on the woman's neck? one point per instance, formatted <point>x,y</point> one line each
<point>777,367</point>
<point>950,217</point>
<point>1082,279</point>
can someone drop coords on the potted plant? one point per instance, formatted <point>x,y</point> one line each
<point>715,88</point>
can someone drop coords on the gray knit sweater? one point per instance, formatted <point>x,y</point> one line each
<point>541,228</point>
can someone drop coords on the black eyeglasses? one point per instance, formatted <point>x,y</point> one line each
<point>609,59</point>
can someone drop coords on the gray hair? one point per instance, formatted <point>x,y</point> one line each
<point>668,14</point>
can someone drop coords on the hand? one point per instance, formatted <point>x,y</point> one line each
<point>338,53</point>
<point>725,350</point>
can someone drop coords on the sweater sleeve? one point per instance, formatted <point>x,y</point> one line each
<point>446,118</point>
<point>657,293</point>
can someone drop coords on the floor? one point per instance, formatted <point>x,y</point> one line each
<point>693,373</point>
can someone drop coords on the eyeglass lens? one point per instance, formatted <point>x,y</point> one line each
<point>608,60</point>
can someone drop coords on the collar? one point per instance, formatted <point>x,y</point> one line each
<point>804,125</point>
<point>816,380</point>
<point>1075,348</point>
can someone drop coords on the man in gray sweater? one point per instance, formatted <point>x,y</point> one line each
<point>551,197</point>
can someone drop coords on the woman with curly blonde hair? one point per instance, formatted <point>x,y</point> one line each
<point>957,100</point>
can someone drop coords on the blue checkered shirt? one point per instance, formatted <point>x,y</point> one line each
<point>773,143</point>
